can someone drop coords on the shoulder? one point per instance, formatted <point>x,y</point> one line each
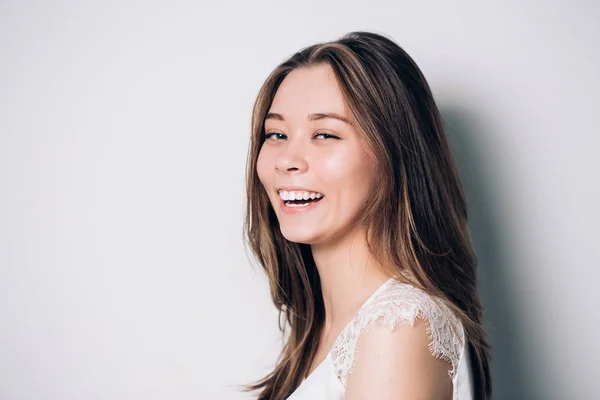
<point>401,334</point>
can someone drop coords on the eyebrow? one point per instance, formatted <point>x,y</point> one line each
<point>312,117</point>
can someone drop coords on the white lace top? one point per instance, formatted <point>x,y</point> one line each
<point>393,302</point>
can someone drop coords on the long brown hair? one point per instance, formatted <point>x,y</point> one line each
<point>416,221</point>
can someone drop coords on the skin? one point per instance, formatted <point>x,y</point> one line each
<point>393,365</point>
<point>296,153</point>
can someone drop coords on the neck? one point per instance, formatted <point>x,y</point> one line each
<point>349,275</point>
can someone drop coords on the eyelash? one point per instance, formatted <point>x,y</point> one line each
<point>268,135</point>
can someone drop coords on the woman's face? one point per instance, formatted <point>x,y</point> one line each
<point>308,150</point>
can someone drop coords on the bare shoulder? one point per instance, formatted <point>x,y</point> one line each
<point>397,363</point>
<point>403,344</point>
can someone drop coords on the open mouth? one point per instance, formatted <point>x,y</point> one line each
<point>302,203</point>
<point>300,199</point>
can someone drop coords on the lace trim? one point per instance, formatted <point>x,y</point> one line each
<point>398,303</point>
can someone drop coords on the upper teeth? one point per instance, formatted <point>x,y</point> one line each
<point>298,195</point>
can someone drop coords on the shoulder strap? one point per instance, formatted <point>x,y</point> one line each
<point>400,302</point>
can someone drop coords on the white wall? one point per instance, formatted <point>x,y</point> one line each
<point>123,136</point>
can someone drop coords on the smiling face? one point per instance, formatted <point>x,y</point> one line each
<point>308,149</point>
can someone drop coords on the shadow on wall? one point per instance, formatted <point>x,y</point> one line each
<point>510,380</point>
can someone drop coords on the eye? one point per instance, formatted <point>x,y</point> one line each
<point>277,136</point>
<point>326,135</point>
<point>268,135</point>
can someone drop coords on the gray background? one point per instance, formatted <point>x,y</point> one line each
<point>123,136</point>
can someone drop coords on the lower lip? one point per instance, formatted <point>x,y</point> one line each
<point>298,209</point>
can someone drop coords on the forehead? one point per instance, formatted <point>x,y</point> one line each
<point>309,89</point>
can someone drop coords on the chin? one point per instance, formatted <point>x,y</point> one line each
<point>309,237</point>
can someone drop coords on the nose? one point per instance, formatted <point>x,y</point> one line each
<point>291,159</point>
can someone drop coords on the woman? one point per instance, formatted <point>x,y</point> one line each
<point>356,212</point>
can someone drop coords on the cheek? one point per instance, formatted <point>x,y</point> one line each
<point>365,169</point>
<point>351,169</point>
<point>350,176</point>
<point>334,167</point>
<point>262,167</point>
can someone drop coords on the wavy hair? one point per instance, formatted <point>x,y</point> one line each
<point>416,221</point>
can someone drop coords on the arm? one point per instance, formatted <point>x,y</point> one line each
<point>398,364</point>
